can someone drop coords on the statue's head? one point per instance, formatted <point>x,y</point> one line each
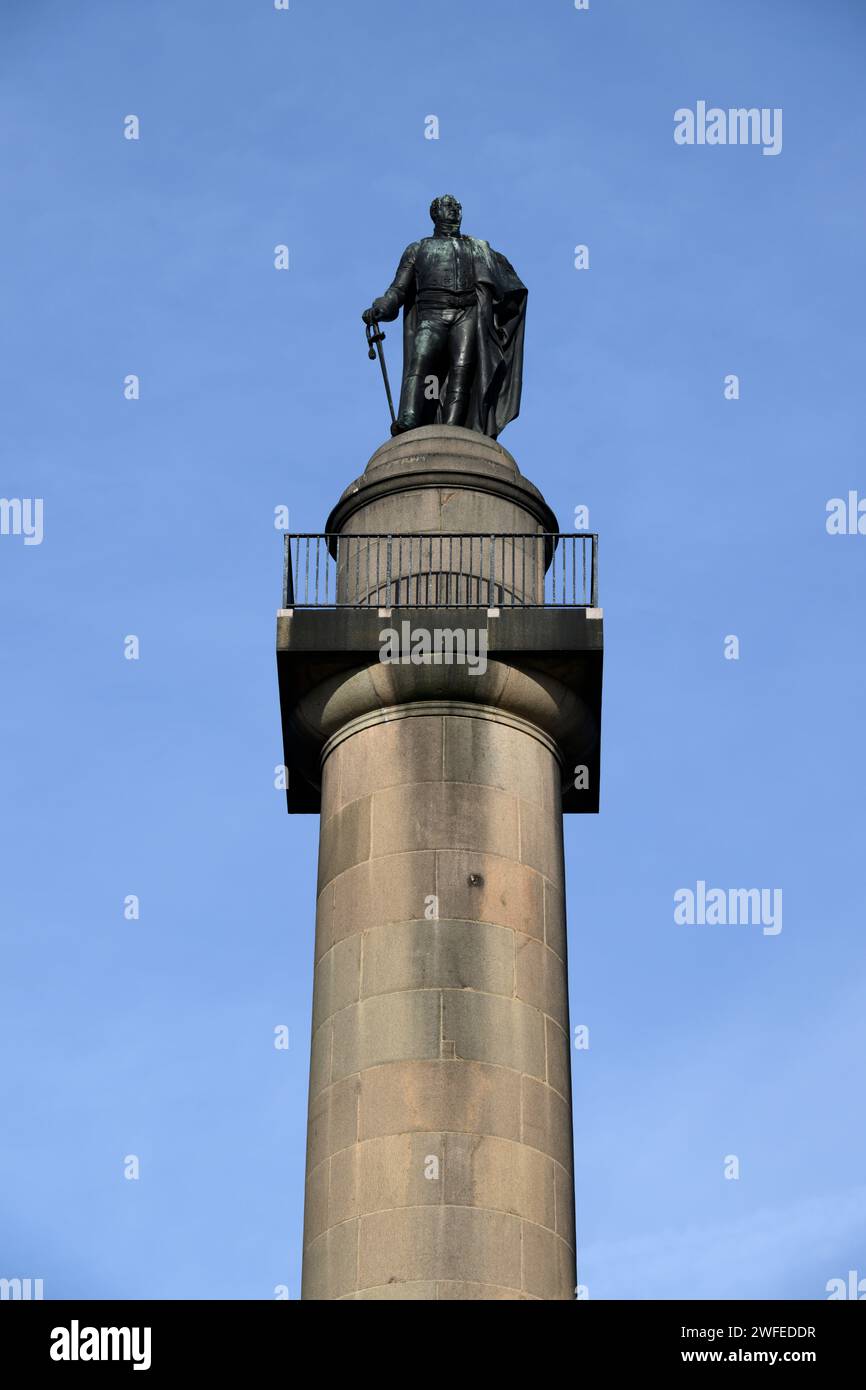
<point>446,212</point>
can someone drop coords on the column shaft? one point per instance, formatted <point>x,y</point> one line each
<point>440,1152</point>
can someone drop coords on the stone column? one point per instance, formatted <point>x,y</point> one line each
<point>440,1157</point>
<point>439,1160</point>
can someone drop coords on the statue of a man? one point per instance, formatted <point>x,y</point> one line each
<point>463,318</point>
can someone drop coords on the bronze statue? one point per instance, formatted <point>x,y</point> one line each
<point>463,318</point>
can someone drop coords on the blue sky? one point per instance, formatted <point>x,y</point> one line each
<point>154,777</point>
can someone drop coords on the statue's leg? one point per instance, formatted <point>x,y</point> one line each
<point>462,351</point>
<point>431,338</point>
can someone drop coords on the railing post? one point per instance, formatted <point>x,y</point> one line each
<point>288,578</point>
<point>594,590</point>
<point>388,576</point>
<point>490,603</point>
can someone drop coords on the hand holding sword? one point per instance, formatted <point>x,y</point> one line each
<point>375,339</point>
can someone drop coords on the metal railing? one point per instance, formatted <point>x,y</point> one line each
<point>441,570</point>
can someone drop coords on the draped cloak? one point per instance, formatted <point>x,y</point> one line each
<point>500,322</point>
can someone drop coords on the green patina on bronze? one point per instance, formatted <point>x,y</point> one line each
<point>464,311</point>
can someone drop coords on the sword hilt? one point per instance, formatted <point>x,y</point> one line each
<point>374,335</point>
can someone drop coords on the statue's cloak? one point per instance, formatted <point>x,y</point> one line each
<point>501,319</point>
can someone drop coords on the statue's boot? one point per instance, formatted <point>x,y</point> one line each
<point>458,395</point>
<point>411,405</point>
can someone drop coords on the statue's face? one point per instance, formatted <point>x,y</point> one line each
<point>449,211</point>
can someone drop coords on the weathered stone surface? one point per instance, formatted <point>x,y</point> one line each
<point>452,955</point>
<point>337,979</point>
<point>390,754</point>
<point>554,917</point>
<point>564,1187</point>
<point>489,753</point>
<point>546,1121</point>
<point>453,1291</point>
<point>444,815</point>
<point>541,840</point>
<point>558,1060</point>
<point>341,1197</point>
<point>448,1290</point>
<point>331,1263</point>
<point>386,1028</point>
<point>487,1028</point>
<point>333,1120</point>
<point>321,1051</point>
<point>483,1171</point>
<point>392,888</point>
<point>466,1096</point>
<point>345,839</point>
<point>490,888</point>
<point>402,1293</point>
<point>402,1170</point>
<point>324,919</point>
<point>540,978</point>
<point>548,1264</point>
<point>405,686</point>
<point>317,1216</point>
<point>466,1243</point>
<point>441,478</point>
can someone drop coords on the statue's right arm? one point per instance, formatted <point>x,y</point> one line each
<point>387,307</point>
